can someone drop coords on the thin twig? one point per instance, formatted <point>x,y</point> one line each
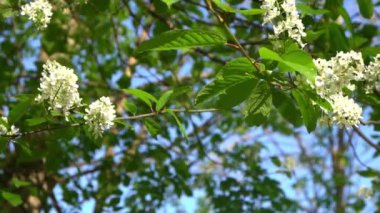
<point>151,114</point>
<point>366,139</point>
<point>224,24</point>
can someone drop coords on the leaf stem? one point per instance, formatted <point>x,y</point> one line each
<point>224,24</point>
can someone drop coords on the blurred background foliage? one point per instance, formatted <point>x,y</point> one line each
<point>146,165</point>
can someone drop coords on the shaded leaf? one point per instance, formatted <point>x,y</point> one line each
<point>181,39</point>
<point>163,100</point>
<point>258,105</point>
<point>142,95</point>
<point>308,110</point>
<point>13,199</point>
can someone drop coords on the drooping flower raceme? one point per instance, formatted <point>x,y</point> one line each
<point>333,77</point>
<point>39,12</point>
<point>271,10</point>
<point>4,130</point>
<point>372,73</point>
<point>58,87</point>
<point>291,23</point>
<point>346,113</point>
<point>100,116</point>
<point>338,72</point>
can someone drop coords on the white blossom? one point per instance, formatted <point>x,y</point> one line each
<point>345,112</point>
<point>372,73</point>
<point>5,130</point>
<point>39,12</point>
<point>291,23</point>
<point>100,116</point>
<point>365,192</point>
<point>290,163</point>
<point>271,10</point>
<point>58,87</point>
<point>338,72</point>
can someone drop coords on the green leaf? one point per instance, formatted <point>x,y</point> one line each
<point>285,104</point>
<point>302,62</point>
<point>233,76</point>
<point>19,109</point>
<point>308,110</point>
<point>19,183</point>
<point>276,161</point>
<point>152,126</point>
<point>170,2</point>
<point>181,39</point>
<point>306,9</point>
<point>130,107</point>
<point>142,95</point>
<point>13,199</point>
<point>370,173</point>
<point>163,100</point>
<point>230,9</point>
<point>366,8</point>
<point>297,60</point>
<point>179,91</point>
<point>35,121</point>
<point>268,54</point>
<point>180,126</point>
<point>258,106</point>
<point>337,38</point>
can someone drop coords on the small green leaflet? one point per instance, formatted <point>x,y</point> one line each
<point>170,2</point>
<point>19,183</point>
<point>306,9</point>
<point>180,126</point>
<point>235,74</point>
<point>297,60</point>
<point>13,199</point>
<point>152,126</point>
<point>310,113</point>
<point>366,8</point>
<point>182,39</point>
<point>258,105</point>
<point>163,100</point>
<point>142,95</point>
<point>230,9</point>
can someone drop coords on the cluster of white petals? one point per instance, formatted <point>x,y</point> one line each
<point>58,87</point>
<point>39,12</point>
<point>346,113</point>
<point>100,116</point>
<point>333,77</point>
<point>271,10</point>
<point>365,193</point>
<point>290,163</point>
<point>291,23</point>
<point>372,73</point>
<point>338,72</point>
<point>4,130</point>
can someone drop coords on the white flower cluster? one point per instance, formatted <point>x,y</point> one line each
<point>372,73</point>
<point>290,163</point>
<point>365,193</point>
<point>39,12</point>
<point>100,116</point>
<point>271,10</point>
<point>345,111</point>
<point>58,86</point>
<point>291,23</point>
<point>337,74</point>
<point>4,130</point>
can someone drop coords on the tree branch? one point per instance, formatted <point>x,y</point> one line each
<point>366,139</point>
